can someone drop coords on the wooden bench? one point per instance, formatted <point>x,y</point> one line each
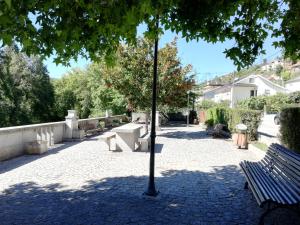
<point>275,180</point>
<point>145,142</point>
<point>106,138</point>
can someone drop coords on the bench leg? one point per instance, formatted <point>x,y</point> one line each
<point>269,209</point>
<point>107,144</point>
<point>246,185</point>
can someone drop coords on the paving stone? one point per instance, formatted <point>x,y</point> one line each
<point>198,177</point>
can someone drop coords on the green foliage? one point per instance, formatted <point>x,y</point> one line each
<point>26,94</point>
<point>295,97</point>
<point>132,76</point>
<point>72,28</point>
<point>272,104</point>
<point>206,104</point>
<point>86,91</point>
<point>251,118</point>
<point>290,128</point>
<point>254,103</point>
<point>232,117</point>
<point>286,75</point>
<point>217,115</point>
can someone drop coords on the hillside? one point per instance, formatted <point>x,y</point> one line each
<point>278,71</point>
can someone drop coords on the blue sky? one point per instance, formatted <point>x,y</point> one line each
<point>208,60</point>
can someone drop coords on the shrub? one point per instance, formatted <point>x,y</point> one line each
<point>217,115</point>
<point>274,103</point>
<point>232,117</point>
<point>251,118</point>
<point>290,127</point>
<point>295,97</point>
<point>253,103</point>
<point>206,104</point>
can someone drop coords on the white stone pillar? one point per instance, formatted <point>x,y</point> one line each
<point>72,124</point>
<point>157,121</point>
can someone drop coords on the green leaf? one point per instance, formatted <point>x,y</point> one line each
<point>8,2</point>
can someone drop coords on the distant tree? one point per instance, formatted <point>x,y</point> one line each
<point>26,94</point>
<point>132,76</point>
<point>278,70</point>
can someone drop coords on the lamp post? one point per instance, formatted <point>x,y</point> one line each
<point>188,106</point>
<point>151,191</point>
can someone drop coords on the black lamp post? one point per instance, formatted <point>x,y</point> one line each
<point>151,191</point>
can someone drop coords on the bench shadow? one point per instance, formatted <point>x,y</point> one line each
<point>186,197</point>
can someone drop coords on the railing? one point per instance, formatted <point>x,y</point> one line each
<point>13,140</point>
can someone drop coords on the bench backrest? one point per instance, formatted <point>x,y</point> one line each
<point>283,164</point>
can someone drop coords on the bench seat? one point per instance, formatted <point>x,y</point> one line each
<point>275,179</point>
<point>145,142</point>
<point>106,138</point>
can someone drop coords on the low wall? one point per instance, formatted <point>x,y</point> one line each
<point>13,140</point>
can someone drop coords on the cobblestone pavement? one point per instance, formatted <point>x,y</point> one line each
<point>199,181</point>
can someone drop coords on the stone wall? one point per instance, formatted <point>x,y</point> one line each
<point>13,140</point>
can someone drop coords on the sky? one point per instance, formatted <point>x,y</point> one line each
<point>208,60</point>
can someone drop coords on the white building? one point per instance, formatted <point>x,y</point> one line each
<point>293,85</point>
<point>272,65</point>
<point>253,85</point>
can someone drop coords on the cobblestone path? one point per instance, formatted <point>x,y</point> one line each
<point>199,181</point>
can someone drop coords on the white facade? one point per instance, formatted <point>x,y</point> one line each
<point>264,86</point>
<point>253,85</point>
<point>293,85</point>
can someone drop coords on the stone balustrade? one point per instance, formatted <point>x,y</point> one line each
<point>13,140</point>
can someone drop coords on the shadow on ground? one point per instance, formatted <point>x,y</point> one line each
<point>189,135</point>
<point>14,163</point>
<point>186,197</point>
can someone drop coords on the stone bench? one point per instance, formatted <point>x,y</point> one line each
<point>106,138</point>
<point>90,129</point>
<point>36,147</point>
<point>145,141</point>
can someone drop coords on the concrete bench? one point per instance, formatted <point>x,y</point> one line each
<point>106,138</point>
<point>145,142</point>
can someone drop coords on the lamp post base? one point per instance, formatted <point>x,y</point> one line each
<point>151,193</point>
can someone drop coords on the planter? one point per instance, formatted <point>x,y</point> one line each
<point>36,147</point>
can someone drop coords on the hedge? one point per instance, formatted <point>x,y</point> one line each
<point>251,118</point>
<point>232,117</point>
<point>290,128</point>
<point>272,104</point>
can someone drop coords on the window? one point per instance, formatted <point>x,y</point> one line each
<point>251,80</point>
<point>252,93</point>
<point>267,92</point>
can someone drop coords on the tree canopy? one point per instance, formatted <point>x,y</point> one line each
<point>96,28</point>
<point>26,94</point>
<point>130,76</point>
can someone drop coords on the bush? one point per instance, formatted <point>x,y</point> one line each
<point>253,103</point>
<point>273,103</point>
<point>232,117</point>
<point>290,127</point>
<point>295,97</point>
<point>217,115</point>
<point>251,118</point>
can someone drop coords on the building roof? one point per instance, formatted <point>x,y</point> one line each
<point>227,87</point>
<point>297,79</point>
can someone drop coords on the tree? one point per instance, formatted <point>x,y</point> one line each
<point>69,28</point>
<point>26,94</point>
<point>85,91</point>
<point>132,76</point>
